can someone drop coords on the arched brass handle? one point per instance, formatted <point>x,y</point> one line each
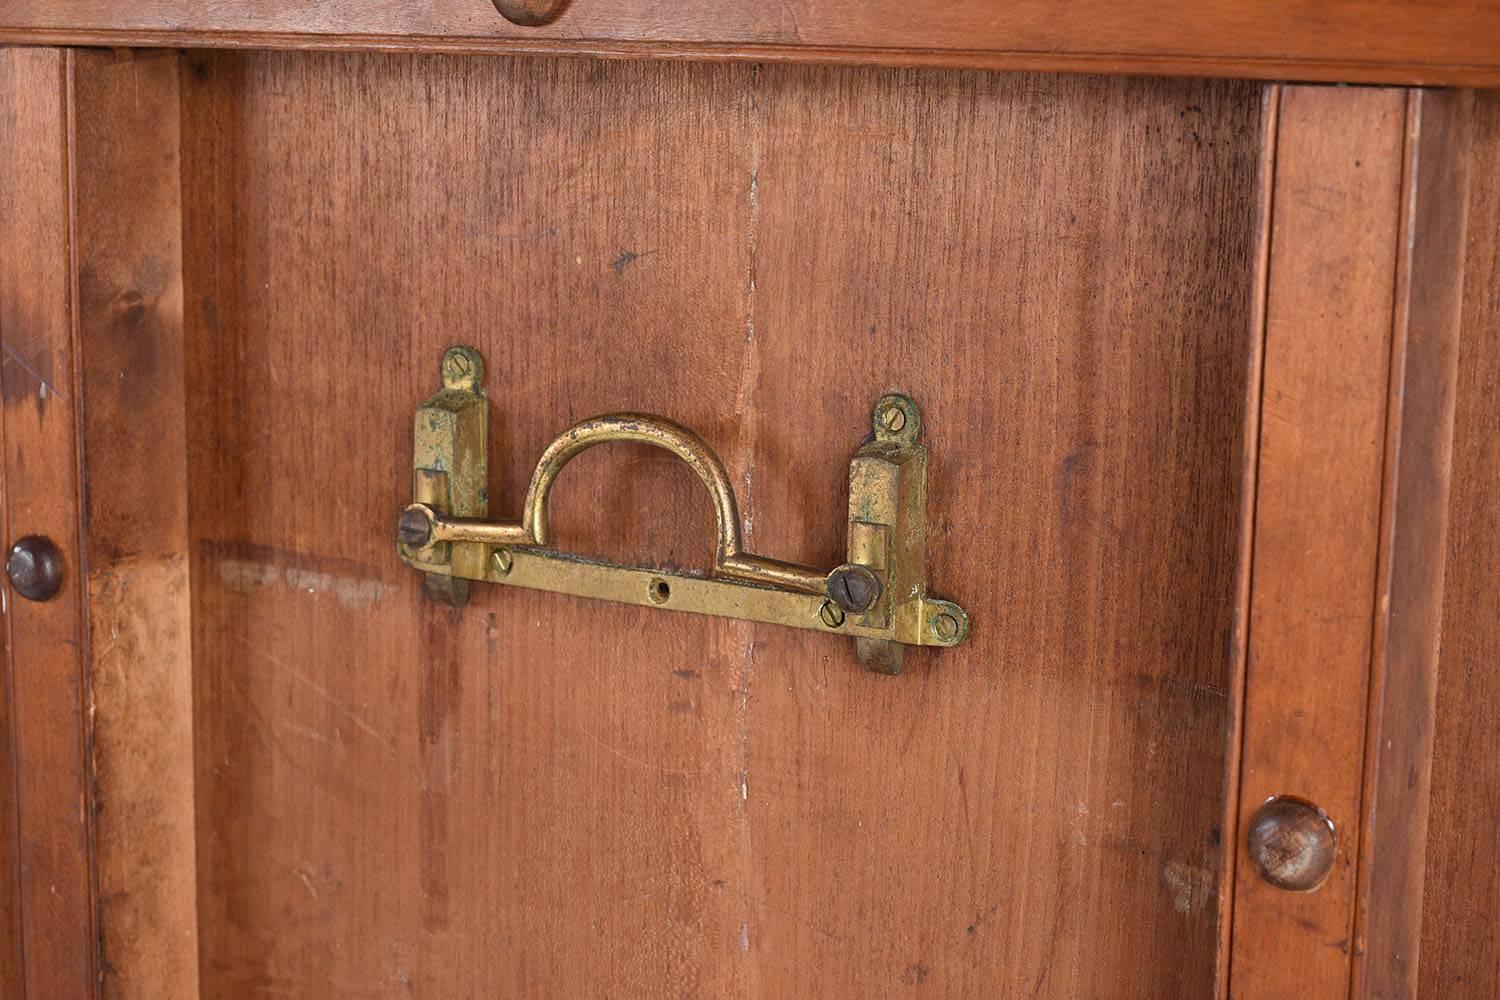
<point>879,596</point>
<point>533,530</point>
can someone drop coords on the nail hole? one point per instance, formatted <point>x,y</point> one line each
<point>659,591</point>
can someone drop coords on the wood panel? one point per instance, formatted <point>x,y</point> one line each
<point>1039,815</point>
<point>1391,41</point>
<point>1329,301</point>
<point>1429,279</point>
<point>11,967</point>
<point>48,689</point>
<point>1365,264</point>
<point>534,795</point>
<point>128,262</point>
<point>540,794</point>
<point>1460,956</point>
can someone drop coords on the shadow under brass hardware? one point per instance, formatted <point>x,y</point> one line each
<point>1292,843</point>
<point>879,597</point>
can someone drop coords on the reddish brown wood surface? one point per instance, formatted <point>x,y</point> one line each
<point>128,257</point>
<point>11,967</point>
<point>1328,316</point>
<point>1459,957</point>
<point>541,794</point>
<point>45,640</point>
<point>1249,459</point>
<point>1392,41</point>
<point>1429,281</point>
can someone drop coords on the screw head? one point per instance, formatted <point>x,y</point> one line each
<point>462,368</point>
<point>414,529</point>
<point>896,418</point>
<point>1293,843</point>
<point>854,588</point>
<point>501,561</point>
<point>945,627</point>
<point>35,568</point>
<point>832,614</point>
<point>456,364</point>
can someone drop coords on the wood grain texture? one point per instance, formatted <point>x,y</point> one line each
<point>1249,459</point>
<point>1038,816</point>
<point>1328,320</point>
<point>128,257</point>
<point>1449,42</point>
<point>48,684</point>
<point>12,969</point>
<point>1429,280</point>
<point>1460,955</point>
<point>537,794</point>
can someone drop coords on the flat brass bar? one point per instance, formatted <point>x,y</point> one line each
<point>746,566</point>
<point>559,573</point>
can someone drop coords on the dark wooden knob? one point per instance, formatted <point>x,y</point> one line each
<point>1293,843</point>
<point>530,13</point>
<point>35,568</point>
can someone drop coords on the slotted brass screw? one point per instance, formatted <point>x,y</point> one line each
<point>945,627</point>
<point>501,561</point>
<point>854,588</point>
<point>413,529</point>
<point>457,364</point>
<point>832,614</point>
<point>893,418</point>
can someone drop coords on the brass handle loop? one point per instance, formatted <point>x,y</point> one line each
<point>645,429</point>
<point>534,529</point>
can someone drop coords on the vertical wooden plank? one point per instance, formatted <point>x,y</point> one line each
<point>11,969</point>
<point>1249,462</point>
<point>41,489</point>
<point>128,236</point>
<point>1346,576</point>
<point>1329,301</point>
<point>1460,953</point>
<point>531,796</point>
<point>1418,465</point>
<point>1036,814</point>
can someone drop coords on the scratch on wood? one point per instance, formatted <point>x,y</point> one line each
<point>243,576</point>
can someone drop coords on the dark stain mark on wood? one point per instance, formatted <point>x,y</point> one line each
<point>980,920</point>
<point>440,700</point>
<point>626,258</point>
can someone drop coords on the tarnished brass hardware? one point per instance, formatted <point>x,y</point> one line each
<point>879,597</point>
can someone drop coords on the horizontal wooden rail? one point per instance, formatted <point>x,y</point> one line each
<point>1444,42</point>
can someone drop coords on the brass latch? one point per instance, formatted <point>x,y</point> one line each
<point>879,596</point>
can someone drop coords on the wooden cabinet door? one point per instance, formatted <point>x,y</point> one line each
<point>1185,353</point>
